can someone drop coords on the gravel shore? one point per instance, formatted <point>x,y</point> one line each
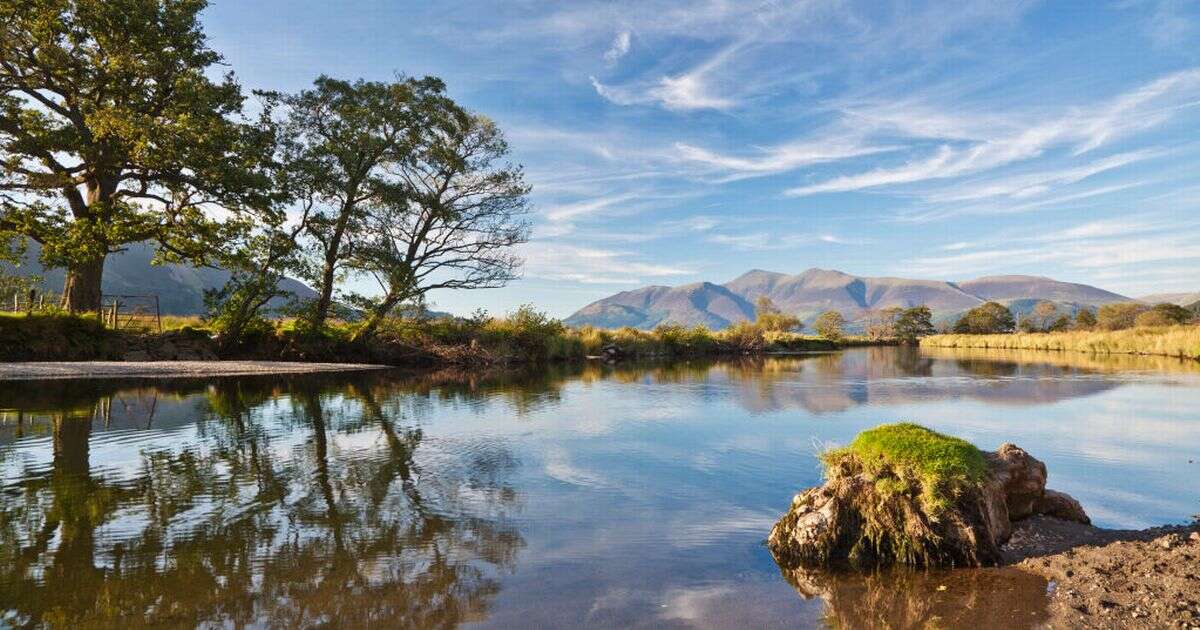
<point>166,369</point>
<point>1102,578</point>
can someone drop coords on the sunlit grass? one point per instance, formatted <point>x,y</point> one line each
<point>1170,341</point>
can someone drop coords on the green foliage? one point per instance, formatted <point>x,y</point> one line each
<point>830,325</point>
<point>768,317</point>
<point>1169,314</point>
<point>1119,316</point>
<point>913,323</point>
<point>1085,319</point>
<point>944,466</point>
<point>986,319</point>
<point>114,133</point>
<point>56,337</point>
<point>1062,323</point>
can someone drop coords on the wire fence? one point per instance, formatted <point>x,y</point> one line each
<point>119,312</point>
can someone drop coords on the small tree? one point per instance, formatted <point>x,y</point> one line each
<point>453,224</point>
<point>1044,313</point>
<point>1063,322</point>
<point>768,317</point>
<point>1085,319</point>
<point>1172,314</point>
<point>914,323</point>
<point>986,319</point>
<point>881,324</point>
<point>1119,316</point>
<point>830,325</point>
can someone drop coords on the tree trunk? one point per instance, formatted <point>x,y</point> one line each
<point>81,291</point>
<point>325,297</point>
<point>367,330</point>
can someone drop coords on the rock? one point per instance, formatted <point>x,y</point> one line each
<point>879,518</point>
<point>1063,506</point>
<point>1194,537</point>
<point>1021,478</point>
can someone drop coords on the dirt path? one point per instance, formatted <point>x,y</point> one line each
<point>167,369</point>
<point>1103,578</point>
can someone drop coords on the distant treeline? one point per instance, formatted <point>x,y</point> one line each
<point>994,318</point>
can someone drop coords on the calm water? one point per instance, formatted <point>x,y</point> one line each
<point>587,496</point>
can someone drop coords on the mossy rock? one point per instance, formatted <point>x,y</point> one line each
<point>903,494</point>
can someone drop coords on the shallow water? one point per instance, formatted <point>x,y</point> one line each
<point>594,495</point>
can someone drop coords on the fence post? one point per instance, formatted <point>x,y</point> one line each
<point>157,314</point>
<point>114,314</point>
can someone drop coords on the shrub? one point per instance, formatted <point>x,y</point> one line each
<point>830,325</point>
<point>1119,316</point>
<point>986,319</point>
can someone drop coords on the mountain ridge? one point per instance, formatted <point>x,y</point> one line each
<point>815,290</point>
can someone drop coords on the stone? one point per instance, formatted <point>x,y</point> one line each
<point>1063,506</point>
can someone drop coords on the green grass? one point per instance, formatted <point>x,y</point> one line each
<point>896,454</point>
<point>1171,341</point>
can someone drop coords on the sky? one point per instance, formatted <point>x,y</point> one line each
<point>672,141</point>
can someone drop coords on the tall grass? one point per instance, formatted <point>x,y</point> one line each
<point>1169,341</point>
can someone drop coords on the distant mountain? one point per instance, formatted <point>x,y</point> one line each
<point>1182,299</point>
<point>1002,288</point>
<point>180,288</point>
<point>817,290</point>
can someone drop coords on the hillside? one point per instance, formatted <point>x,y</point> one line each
<point>180,288</point>
<point>816,290</point>
<point>1182,299</point>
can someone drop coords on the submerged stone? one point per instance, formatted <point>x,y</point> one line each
<point>881,504</point>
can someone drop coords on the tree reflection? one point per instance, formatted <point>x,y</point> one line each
<point>321,514</point>
<point>910,598</point>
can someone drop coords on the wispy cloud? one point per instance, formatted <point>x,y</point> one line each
<point>592,265</point>
<point>778,159</point>
<point>686,91</point>
<point>619,47</point>
<point>1080,129</point>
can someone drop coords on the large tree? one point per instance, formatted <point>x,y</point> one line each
<point>111,132</point>
<point>460,212</point>
<point>339,136</point>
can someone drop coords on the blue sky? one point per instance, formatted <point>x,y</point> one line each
<point>670,141</point>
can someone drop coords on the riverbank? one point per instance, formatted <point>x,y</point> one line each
<point>525,337</point>
<point>1103,578</point>
<point>166,369</point>
<point>1168,341</point>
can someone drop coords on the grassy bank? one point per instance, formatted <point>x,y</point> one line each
<point>1169,341</point>
<point>524,336</point>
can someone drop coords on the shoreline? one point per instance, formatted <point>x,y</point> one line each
<point>1104,578</point>
<point>55,370</point>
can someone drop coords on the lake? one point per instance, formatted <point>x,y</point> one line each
<point>590,495</point>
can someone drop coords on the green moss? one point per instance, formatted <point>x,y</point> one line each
<point>905,453</point>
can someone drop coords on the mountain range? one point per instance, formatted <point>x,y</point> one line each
<point>180,288</point>
<point>814,291</point>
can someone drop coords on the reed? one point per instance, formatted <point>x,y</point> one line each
<point>1170,341</point>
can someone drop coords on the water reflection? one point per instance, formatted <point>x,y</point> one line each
<point>293,504</point>
<point>594,494</point>
<point>906,598</point>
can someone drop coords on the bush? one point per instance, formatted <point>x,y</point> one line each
<point>1119,316</point>
<point>986,319</point>
<point>830,325</point>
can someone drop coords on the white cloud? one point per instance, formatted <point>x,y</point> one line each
<point>619,48</point>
